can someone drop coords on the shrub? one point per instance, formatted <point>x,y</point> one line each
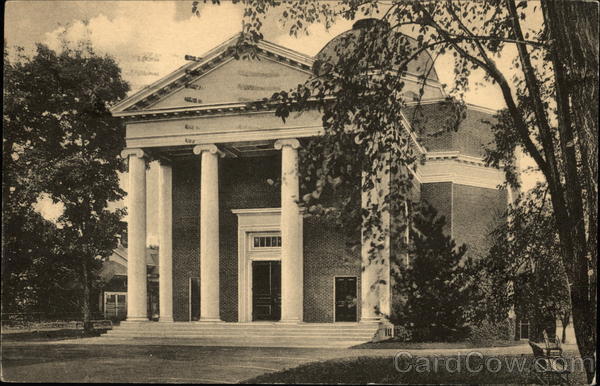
<point>402,334</point>
<point>486,331</point>
<point>433,287</point>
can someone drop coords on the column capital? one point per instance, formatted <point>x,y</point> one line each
<point>136,152</point>
<point>292,142</point>
<point>212,148</point>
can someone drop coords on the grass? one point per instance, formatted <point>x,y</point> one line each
<point>417,370</point>
<point>46,335</point>
<point>59,362</point>
<point>398,344</point>
<point>105,363</point>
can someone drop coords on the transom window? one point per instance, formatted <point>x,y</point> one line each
<point>266,241</point>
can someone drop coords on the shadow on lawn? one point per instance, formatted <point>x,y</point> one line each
<point>47,335</point>
<point>484,369</point>
<point>399,344</point>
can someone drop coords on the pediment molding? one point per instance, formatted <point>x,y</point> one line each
<point>141,102</point>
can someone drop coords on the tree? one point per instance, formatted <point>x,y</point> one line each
<point>548,93</point>
<point>434,286</point>
<point>524,268</point>
<point>59,129</point>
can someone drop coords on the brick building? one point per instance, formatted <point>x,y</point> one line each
<point>235,248</point>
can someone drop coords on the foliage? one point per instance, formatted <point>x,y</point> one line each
<point>61,141</point>
<point>487,332</point>
<point>548,92</point>
<point>434,287</point>
<point>524,268</point>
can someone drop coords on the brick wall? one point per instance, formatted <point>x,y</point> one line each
<point>476,211</point>
<point>186,233</point>
<point>325,256</point>
<point>243,184</point>
<point>439,195</point>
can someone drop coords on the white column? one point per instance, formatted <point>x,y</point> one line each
<point>375,275</point>
<point>136,236</point>
<point>165,235</point>
<point>209,232</point>
<point>291,234</point>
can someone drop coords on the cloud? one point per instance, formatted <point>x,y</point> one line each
<point>147,39</point>
<point>316,39</point>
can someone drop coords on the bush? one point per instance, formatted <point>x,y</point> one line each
<point>486,331</point>
<point>432,288</point>
<point>402,334</point>
<point>439,334</point>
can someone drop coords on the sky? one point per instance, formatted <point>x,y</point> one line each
<point>150,38</point>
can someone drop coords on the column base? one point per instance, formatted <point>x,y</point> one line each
<point>372,320</point>
<point>136,319</point>
<point>165,319</point>
<point>289,321</point>
<point>210,320</point>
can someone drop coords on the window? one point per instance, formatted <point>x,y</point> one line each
<point>115,305</point>
<point>266,242</point>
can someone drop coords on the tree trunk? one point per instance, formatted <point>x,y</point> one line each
<point>565,319</point>
<point>85,281</point>
<point>573,30</point>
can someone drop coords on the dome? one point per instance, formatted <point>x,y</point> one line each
<point>330,54</point>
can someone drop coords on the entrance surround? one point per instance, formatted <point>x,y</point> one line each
<point>250,222</point>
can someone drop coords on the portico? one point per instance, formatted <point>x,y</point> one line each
<point>289,225</point>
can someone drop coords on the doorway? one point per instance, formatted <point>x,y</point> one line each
<point>266,290</point>
<point>345,299</point>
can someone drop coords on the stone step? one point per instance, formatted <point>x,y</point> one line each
<point>249,342</point>
<point>239,326</point>
<point>243,332</point>
<point>211,328</point>
<point>243,337</point>
<point>299,334</point>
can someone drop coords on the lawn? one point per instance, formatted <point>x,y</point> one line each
<point>477,369</point>
<point>401,345</point>
<point>34,357</point>
<point>46,335</point>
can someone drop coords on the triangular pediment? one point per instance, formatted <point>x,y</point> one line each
<point>219,79</point>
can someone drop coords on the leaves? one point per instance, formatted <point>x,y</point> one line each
<point>433,285</point>
<point>61,140</point>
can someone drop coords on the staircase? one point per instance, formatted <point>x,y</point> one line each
<point>258,334</point>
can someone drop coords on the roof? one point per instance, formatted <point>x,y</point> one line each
<point>152,102</point>
<point>120,255</point>
<point>438,129</point>
<point>199,66</point>
<point>350,41</point>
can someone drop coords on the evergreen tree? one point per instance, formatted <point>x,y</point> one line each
<point>433,286</point>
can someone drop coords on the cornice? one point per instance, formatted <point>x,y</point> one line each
<point>200,67</point>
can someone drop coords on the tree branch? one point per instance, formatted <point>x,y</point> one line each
<point>493,71</point>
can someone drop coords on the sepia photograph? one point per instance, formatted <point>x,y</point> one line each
<point>300,191</point>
